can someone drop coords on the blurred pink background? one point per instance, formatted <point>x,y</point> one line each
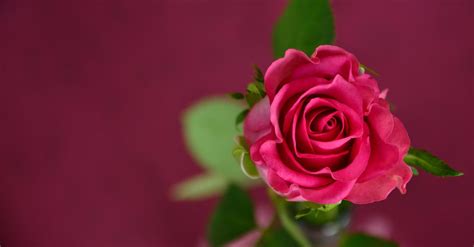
<point>92,93</point>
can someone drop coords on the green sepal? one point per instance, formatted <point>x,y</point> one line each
<point>240,141</point>
<point>364,68</point>
<point>252,99</point>
<point>256,88</point>
<point>247,166</point>
<point>258,75</point>
<point>313,209</point>
<point>414,171</point>
<point>255,92</point>
<point>241,117</point>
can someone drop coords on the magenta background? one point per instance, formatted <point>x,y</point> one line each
<point>92,91</point>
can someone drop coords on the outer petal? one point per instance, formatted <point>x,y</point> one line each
<point>331,193</point>
<point>282,187</point>
<point>274,160</point>
<point>326,62</point>
<point>280,70</point>
<point>384,155</point>
<point>399,137</point>
<point>368,89</point>
<point>380,187</point>
<point>257,123</point>
<point>366,80</point>
<point>255,154</point>
<point>335,60</point>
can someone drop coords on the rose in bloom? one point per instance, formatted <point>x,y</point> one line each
<point>324,132</point>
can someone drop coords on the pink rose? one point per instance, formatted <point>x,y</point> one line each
<point>325,133</point>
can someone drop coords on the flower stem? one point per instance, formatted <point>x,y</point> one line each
<point>287,222</point>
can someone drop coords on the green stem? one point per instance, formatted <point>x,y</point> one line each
<point>287,222</point>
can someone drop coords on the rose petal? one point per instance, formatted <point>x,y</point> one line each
<point>287,102</point>
<point>334,61</point>
<point>320,121</point>
<point>384,154</point>
<point>255,154</point>
<point>257,123</point>
<point>368,81</point>
<point>299,134</point>
<point>368,89</point>
<point>399,137</point>
<point>329,135</point>
<point>280,186</point>
<point>274,158</point>
<point>379,188</point>
<point>315,164</point>
<point>281,69</point>
<point>339,90</point>
<point>330,145</point>
<point>358,161</point>
<point>332,193</point>
<point>383,94</point>
<point>381,121</point>
<point>355,120</point>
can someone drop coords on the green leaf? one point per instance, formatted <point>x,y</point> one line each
<point>287,222</point>
<point>200,186</point>
<point>304,25</point>
<point>361,239</point>
<point>232,218</point>
<point>241,117</point>
<point>429,163</point>
<point>209,131</point>
<point>237,95</point>
<point>240,141</point>
<point>276,237</point>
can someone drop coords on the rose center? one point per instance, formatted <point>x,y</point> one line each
<point>324,122</point>
<point>330,124</point>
